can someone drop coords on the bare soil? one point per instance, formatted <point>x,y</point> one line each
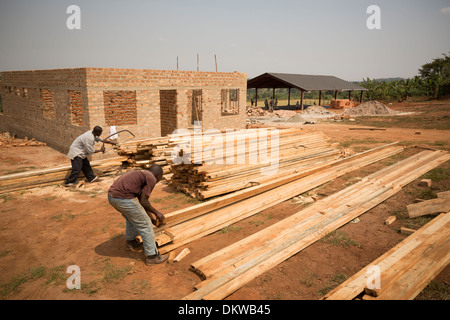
<point>45,230</point>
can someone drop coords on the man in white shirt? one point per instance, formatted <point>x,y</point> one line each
<point>81,148</point>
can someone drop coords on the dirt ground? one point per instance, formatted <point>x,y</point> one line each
<point>45,230</point>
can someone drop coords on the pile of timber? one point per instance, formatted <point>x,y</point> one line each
<point>186,225</point>
<point>298,150</point>
<point>7,141</point>
<point>145,152</point>
<point>405,270</point>
<point>43,177</point>
<point>228,269</point>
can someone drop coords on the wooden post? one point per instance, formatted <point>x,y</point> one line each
<point>320,97</point>
<point>335,94</point>
<point>361,98</point>
<point>256,97</point>
<point>301,100</point>
<point>273,94</point>
<point>215,60</point>
<point>289,97</point>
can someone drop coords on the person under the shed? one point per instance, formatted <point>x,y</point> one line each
<point>129,195</point>
<point>81,148</point>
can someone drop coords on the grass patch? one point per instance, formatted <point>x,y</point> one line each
<point>7,197</point>
<point>63,217</point>
<point>435,291</point>
<point>113,274</point>
<point>339,238</point>
<point>50,198</point>
<point>437,174</point>
<point>53,275</point>
<point>4,253</point>
<point>229,229</point>
<point>334,281</point>
<point>308,281</point>
<point>140,286</point>
<point>256,223</point>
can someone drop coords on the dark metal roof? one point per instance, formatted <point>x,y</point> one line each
<point>302,81</point>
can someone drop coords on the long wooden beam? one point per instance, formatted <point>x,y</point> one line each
<point>215,220</point>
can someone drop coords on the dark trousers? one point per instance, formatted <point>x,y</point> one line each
<point>80,165</point>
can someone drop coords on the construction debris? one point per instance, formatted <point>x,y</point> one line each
<point>7,140</point>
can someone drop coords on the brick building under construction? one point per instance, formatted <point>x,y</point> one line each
<point>55,106</point>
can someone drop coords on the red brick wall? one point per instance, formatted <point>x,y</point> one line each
<point>136,104</point>
<point>44,117</point>
<point>120,107</point>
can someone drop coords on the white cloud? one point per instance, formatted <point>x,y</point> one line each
<point>445,10</point>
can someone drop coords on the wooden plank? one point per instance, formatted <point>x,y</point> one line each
<point>234,279</point>
<point>406,231</point>
<point>356,160</point>
<point>195,228</point>
<point>390,220</point>
<point>182,255</point>
<point>434,206</point>
<point>437,241</point>
<point>355,285</point>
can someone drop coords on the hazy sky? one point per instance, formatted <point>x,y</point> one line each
<point>327,37</point>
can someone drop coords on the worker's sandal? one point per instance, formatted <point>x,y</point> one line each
<point>156,259</point>
<point>135,244</point>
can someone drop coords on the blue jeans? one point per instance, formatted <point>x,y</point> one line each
<point>137,222</point>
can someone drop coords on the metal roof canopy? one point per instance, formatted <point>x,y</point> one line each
<point>304,83</point>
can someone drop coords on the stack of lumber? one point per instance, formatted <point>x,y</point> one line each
<point>405,270</point>
<point>298,150</point>
<point>230,268</point>
<point>34,178</point>
<point>186,225</point>
<point>6,140</point>
<point>145,152</point>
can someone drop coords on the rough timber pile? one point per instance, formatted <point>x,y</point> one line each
<point>31,179</point>
<point>405,270</point>
<point>145,152</point>
<point>186,225</point>
<point>232,267</point>
<point>297,150</point>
